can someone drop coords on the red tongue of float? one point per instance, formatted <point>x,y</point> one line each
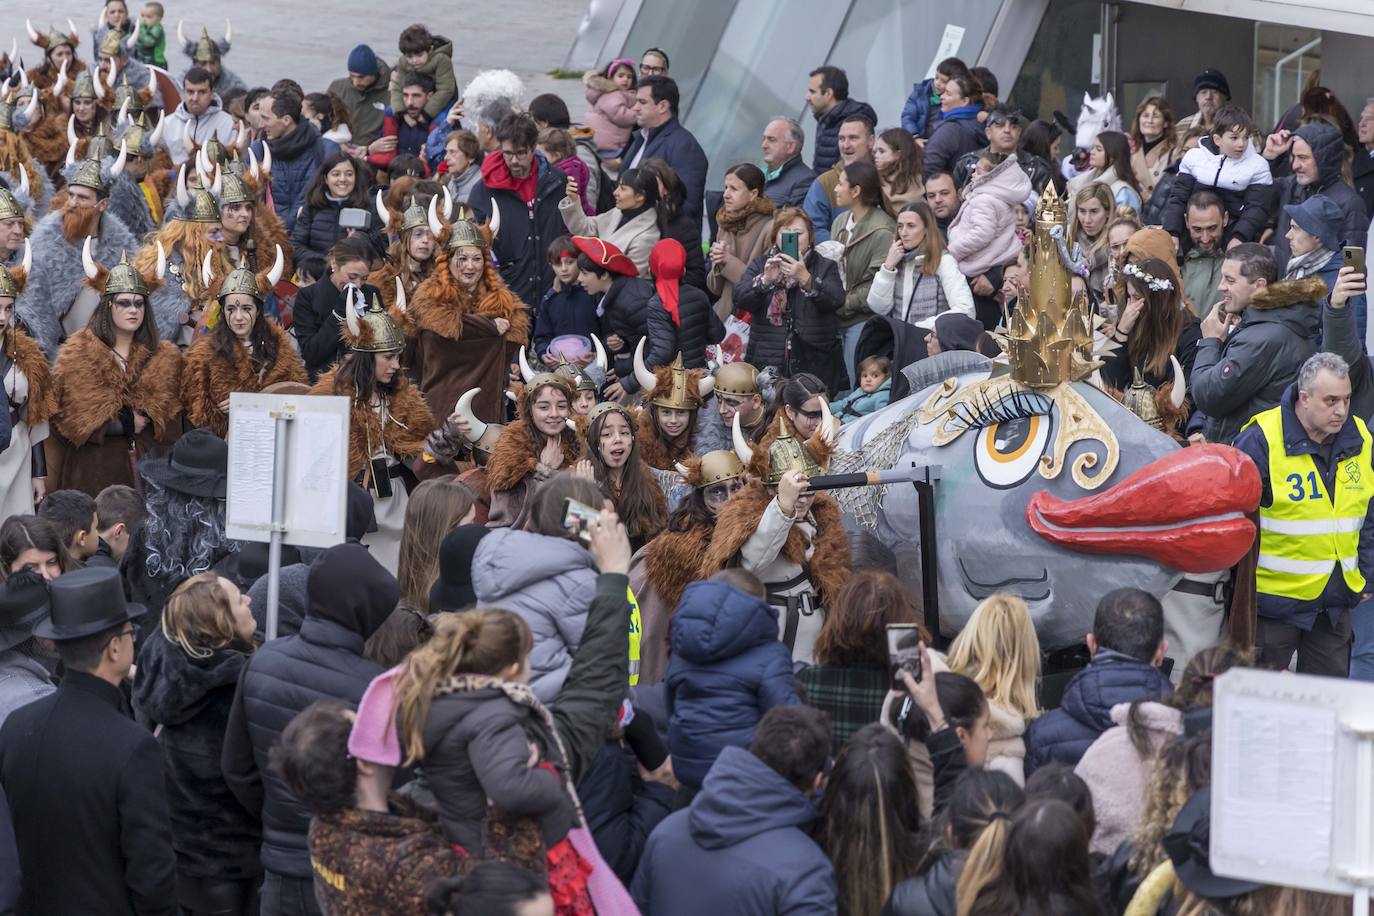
<point>1170,511</point>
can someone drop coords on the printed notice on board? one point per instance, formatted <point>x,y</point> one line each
<point>252,442</point>
<point>949,46</point>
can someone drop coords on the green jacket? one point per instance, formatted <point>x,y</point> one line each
<point>864,250</point>
<point>1200,276</point>
<point>439,66</point>
<point>366,108</point>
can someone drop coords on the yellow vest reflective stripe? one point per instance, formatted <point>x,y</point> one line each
<point>1306,532</point>
<point>635,630</point>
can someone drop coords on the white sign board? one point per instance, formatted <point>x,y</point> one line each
<point>1288,806</point>
<point>949,46</point>
<point>316,467</point>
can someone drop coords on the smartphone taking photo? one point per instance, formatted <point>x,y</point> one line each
<point>577,516</point>
<point>903,652</point>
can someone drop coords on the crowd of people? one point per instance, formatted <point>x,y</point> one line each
<point>592,644</point>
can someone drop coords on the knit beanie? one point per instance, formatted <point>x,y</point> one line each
<point>362,61</point>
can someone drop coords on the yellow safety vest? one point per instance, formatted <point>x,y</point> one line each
<point>1306,531</point>
<point>635,630</point>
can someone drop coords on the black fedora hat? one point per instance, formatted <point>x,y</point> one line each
<point>24,603</point>
<point>198,466</point>
<point>86,601</point>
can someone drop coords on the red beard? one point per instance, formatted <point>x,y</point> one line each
<point>77,224</point>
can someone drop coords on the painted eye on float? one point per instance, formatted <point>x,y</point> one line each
<point>1006,453</point>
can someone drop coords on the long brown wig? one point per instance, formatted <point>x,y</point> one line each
<point>637,497</point>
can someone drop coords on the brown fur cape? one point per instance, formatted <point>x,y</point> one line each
<point>207,380</point>
<point>30,359</point>
<point>409,423</point>
<point>384,278</point>
<point>515,456</point>
<point>829,565</point>
<point>268,230</point>
<point>90,388</point>
<point>48,142</point>
<point>657,450</point>
<point>441,304</point>
<point>674,559</point>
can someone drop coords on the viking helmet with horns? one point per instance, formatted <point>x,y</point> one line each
<point>672,386</point>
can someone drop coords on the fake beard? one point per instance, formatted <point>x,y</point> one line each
<point>79,223</point>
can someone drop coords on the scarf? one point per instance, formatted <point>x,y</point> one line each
<point>777,305</point>
<point>497,177</point>
<point>739,222</point>
<point>1305,265</point>
<point>667,262</point>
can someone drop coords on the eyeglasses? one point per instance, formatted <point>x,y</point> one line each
<point>509,154</point>
<point>132,632</point>
<point>651,70</point>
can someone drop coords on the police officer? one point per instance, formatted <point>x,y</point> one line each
<point>1316,549</point>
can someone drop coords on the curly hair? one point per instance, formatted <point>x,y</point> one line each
<point>184,535</point>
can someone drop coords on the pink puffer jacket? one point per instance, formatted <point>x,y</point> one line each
<point>983,234</point>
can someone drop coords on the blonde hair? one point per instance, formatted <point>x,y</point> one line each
<point>999,650</point>
<point>473,642</point>
<point>198,616</point>
<point>1102,193</point>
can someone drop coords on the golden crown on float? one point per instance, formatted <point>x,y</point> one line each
<point>1048,338</point>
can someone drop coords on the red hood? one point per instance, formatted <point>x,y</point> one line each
<point>1186,511</point>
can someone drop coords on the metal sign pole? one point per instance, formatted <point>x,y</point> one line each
<point>282,417</point>
<point>1364,831</point>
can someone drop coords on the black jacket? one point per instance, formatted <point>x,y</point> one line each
<point>1362,170</point>
<point>828,131</point>
<point>687,230</point>
<point>699,327</point>
<point>315,325</point>
<point>930,893</point>
<point>621,809</point>
<point>807,339</point>
<point>1251,211</point>
<point>1236,379</point>
<point>625,313</point>
<point>318,229</point>
<point>213,835</point>
<point>675,145</point>
<point>350,597</point>
<point>1328,148</point>
<point>790,187</point>
<point>521,247</point>
<point>86,794</point>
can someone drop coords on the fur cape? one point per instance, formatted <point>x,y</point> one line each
<point>268,230</point>
<point>440,304</point>
<point>657,451</point>
<point>384,278</point>
<point>172,303</point>
<point>404,437</point>
<point>515,456</point>
<point>674,560</point>
<point>14,154</point>
<point>29,359</point>
<point>207,380</point>
<point>90,388</point>
<point>47,140</point>
<point>130,206</point>
<point>57,274</point>
<point>829,565</point>
<point>44,76</point>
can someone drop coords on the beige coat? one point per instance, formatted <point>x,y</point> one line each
<point>636,238</point>
<point>740,249</point>
<point>1149,168</point>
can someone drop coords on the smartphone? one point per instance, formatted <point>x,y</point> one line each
<point>381,478</point>
<point>1353,257</point>
<point>791,243</point>
<point>577,516</point>
<point>354,218</point>
<point>903,652</point>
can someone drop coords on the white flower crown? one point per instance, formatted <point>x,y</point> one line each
<point>1154,283</point>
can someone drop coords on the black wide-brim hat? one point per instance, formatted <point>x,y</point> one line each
<point>24,604</point>
<point>1188,845</point>
<point>86,601</point>
<point>198,466</point>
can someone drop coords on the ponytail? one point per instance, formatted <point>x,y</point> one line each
<point>984,872</point>
<point>474,642</point>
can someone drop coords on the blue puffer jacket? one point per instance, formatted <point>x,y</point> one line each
<point>919,117</point>
<point>741,849</point>
<point>295,157</point>
<point>728,669</point>
<point>1064,734</point>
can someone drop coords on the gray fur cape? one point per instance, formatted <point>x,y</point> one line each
<point>128,203</point>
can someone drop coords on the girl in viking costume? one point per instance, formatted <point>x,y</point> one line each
<point>388,420</point>
<point>613,461</point>
<point>464,326</point>
<point>667,424</point>
<point>250,230</point>
<point>84,114</point>
<point>117,387</point>
<point>59,55</point>
<point>194,253</point>
<point>29,388</point>
<point>244,351</point>
<point>1157,343</point>
<point>793,540</point>
<point>540,443</point>
<point>413,256</point>
<point>665,566</point>
<point>446,446</point>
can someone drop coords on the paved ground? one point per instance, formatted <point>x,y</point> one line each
<point>310,41</point>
